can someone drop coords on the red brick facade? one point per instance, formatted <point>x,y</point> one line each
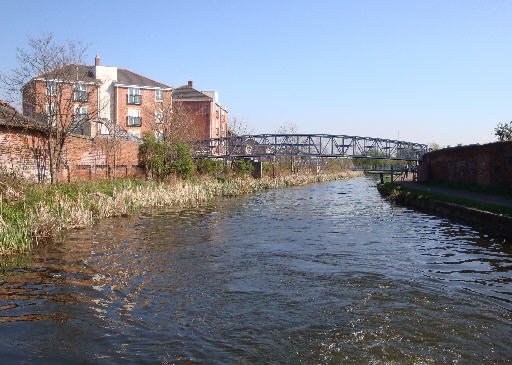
<point>36,100</point>
<point>146,108</point>
<point>22,151</point>
<point>489,164</point>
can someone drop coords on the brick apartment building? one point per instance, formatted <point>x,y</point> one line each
<point>107,94</point>
<point>209,117</point>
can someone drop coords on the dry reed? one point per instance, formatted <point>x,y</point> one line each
<point>61,211</point>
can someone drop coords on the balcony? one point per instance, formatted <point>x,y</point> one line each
<point>133,121</point>
<point>133,99</point>
<point>80,96</point>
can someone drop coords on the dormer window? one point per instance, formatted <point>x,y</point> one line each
<point>159,95</point>
<point>80,93</point>
<point>51,88</point>
<point>134,96</point>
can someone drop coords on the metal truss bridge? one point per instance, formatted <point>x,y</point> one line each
<point>267,146</point>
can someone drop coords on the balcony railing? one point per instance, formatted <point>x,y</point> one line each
<point>133,99</point>
<point>133,121</point>
<point>80,96</point>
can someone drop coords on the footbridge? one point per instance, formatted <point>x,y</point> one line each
<point>267,146</point>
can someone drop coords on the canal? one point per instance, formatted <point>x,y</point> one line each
<point>324,273</point>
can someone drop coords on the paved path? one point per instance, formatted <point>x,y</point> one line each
<point>464,194</point>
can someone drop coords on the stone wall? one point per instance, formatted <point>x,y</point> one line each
<point>489,164</point>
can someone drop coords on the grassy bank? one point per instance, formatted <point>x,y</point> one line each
<point>398,193</point>
<point>34,213</point>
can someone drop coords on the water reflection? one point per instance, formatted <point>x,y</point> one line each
<point>326,273</point>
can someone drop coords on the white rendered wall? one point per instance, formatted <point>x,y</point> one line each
<point>107,76</point>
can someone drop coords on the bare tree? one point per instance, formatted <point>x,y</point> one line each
<point>174,121</point>
<point>503,131</point>
<point>287,128</point>
<point>49,76</point>
<point>238,127</point>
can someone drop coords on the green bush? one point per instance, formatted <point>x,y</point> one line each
<point>154,156</point>
<point>183,163</point>
<point>160,159</point>
<point>208,166</point>
<point>244,167</point>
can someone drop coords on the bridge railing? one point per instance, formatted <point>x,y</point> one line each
<point>312,145</point>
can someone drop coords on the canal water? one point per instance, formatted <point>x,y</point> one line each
<point>325,273</point>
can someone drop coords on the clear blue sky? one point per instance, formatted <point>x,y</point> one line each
<point>429,70</point>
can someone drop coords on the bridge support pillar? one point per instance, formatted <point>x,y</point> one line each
<point>258,169</point>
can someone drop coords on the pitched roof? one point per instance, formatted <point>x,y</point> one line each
<point>187,92</point>
<point>70,72</point>
<point>85,73</point>
<point>131,78</point>
<point>10,117</point>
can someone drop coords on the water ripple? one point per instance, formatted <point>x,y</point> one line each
<point>327,273</point>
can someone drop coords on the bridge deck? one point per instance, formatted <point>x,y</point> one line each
<point>308,145</point>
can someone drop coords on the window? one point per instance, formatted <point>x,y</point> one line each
<point>159,116</point>
<point>51,88</point>
<point>217,113</point>
<point>134,96</point>
<point>159,136</point>
<point>51,114</point>
<point>79,118</point>
<point>223,117</point>
<point>159,95</point>
<point>133,118</point>
<point>80,113</point>
<point>135,133</point>
<point>80,93</point>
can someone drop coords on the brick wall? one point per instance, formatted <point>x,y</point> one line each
<point>23,151</point>
<point>198,117</point>
<point>91,159</point>
<point>489,164</point>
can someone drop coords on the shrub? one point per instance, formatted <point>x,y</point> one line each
<point>208,166</point>
<point>154,156</point>
<point>183,163</point>
<point>244,167</point>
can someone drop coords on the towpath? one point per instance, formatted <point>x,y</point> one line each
<point>463,194</point>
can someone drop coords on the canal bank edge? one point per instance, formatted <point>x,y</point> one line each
<point>497,225</point>
<point>39,212</point>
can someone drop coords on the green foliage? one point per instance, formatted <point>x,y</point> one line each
<point>504,131</point>
<point>267,168</point>
<point>154,156</point>
<point>244,167</point>
<point>160,159</point>
<point>209,166</point>
<point>375,162</point>
<point>182,163</point>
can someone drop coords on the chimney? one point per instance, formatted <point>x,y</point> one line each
<point>190,83</point>
<point>97,60</point>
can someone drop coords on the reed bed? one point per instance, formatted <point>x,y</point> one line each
<point>33,213</point>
